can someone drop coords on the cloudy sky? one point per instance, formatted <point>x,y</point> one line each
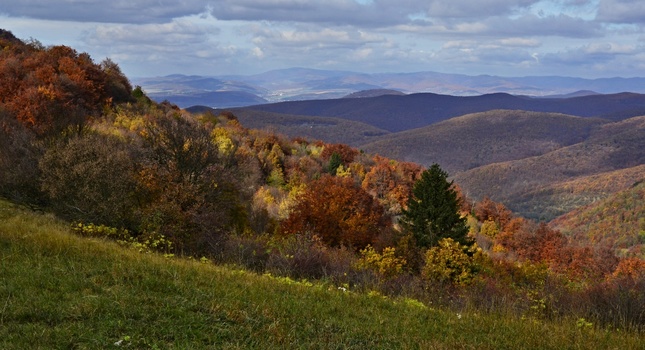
<point>584,38</point>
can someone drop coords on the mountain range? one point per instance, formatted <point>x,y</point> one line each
<point>308,84</point>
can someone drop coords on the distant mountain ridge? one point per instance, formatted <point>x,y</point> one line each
<point>303,84</point>
<point>404,112</point>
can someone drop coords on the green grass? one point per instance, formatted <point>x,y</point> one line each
<point>60,291</point>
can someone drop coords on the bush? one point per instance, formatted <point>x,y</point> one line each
<point>452,262</point>
<point>385,264</point>
<point>91,178</point>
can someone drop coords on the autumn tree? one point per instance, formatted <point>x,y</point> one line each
<point>19,155</point>
<point>432,212</point>
<point>344,152</point>
<point>91,178</point>
<point>50,89</point>
<point>337,211</point>
<point>391,182</point>
<point>488,210</point>
<point>191,192</point>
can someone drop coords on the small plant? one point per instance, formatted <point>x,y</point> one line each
<point>583,324</point>
<point>101,231</point>
<point>146,243</point>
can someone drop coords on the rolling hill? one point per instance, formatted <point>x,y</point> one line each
<point>541,165</point>
<point>478,139</point>
<point>398,113</point>
<point>610,148</point>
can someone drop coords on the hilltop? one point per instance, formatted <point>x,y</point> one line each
<point>466,142</point>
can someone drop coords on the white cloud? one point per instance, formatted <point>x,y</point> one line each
<point>519,42</point>
<point>211,36</point>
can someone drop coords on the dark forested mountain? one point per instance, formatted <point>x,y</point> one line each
<point>373,93</point>
<point>398,113</point>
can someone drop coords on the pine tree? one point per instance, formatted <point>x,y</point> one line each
<point>334,162</point>
<point>433,210</point>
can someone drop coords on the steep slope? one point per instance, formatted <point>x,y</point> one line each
<point>473,140</point>
<point>611,147</point>
<point>618,221</point>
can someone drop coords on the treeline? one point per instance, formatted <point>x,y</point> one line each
<point>76,139</point>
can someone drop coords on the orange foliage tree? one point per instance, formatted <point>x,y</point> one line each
<point>346,153</point>
<point>391,182</point>
<point>339,212</point>
<point>49,89</point>
<point>490,210</point>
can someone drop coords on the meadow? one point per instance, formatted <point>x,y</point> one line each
<point>58,290</point>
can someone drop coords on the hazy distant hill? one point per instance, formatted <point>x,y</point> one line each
<point>186,91</point>
<point>301,83</point>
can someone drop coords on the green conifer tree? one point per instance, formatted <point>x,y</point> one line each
<point>433,210</point>
<point>334,162</point>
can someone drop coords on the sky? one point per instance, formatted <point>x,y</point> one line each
<point>579,38</point>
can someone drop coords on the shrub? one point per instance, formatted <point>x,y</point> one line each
<point>452,262</point>
<point>91,178</point>
<point>386,264</point>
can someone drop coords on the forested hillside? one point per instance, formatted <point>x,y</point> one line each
<point>474,140</point>
<point>78,141</point>
<point>615,150</point>
<point>618,221</point>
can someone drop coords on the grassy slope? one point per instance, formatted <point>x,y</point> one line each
<point>61,291</point>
